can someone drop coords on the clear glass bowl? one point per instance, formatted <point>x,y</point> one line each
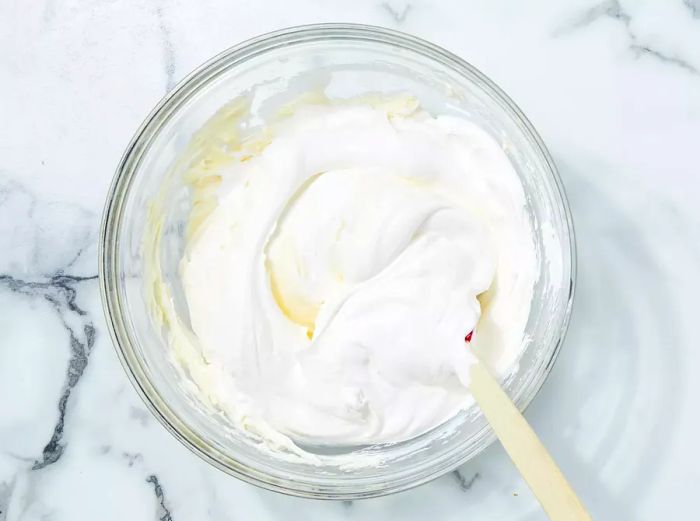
<point>345,60</point>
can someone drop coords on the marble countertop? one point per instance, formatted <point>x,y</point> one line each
<point>612,86</point>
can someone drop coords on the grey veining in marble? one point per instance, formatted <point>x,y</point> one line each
<point>613,86</point>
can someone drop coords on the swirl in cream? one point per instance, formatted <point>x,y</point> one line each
<point>332,285</point>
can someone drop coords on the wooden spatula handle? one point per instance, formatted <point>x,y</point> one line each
<point>523,446</point>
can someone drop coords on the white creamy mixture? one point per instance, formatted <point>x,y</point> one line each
<point>332,283</point>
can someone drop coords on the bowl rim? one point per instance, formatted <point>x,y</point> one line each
<point>119,190</point>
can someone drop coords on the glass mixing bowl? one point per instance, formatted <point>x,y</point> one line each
<point>344,61</point>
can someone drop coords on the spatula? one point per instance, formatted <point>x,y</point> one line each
<point>525,449</point>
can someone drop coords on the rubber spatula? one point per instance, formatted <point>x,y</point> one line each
<point>525,449</point>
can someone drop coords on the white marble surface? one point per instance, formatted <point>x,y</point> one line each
<point>613,87</point>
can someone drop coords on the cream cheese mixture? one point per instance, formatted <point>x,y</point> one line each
<point>340,264</point>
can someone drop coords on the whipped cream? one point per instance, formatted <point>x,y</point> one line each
<point>344,253</point>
